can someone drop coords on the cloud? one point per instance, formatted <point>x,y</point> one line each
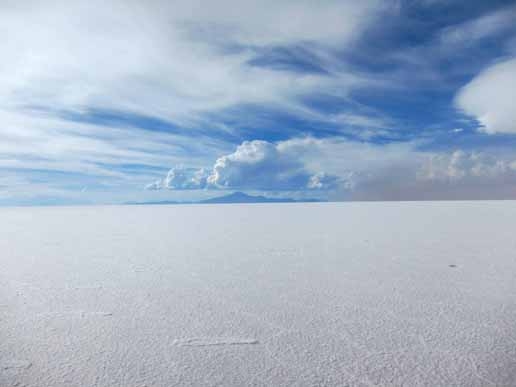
<point>35,140</point>
<point>343,169</point>
<point>182,62</point>
<point>335,164</point>
<point>208,75</point>
<point>486,26</point>
<point>441,56</point>
<point>264,165</point>
<point>490,97</point>
<point>445,175</point>
<point>180,178</point>
<point>461,165</point>
<point>254,165</point>
<point>168,59</point>
<point>154,186</point>
<point>322,180</point>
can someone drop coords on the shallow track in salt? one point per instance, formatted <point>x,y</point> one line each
<point>213,341</point>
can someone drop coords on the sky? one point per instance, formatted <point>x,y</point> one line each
<point>105,102</point>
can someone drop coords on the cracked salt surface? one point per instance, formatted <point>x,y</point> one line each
<point>328,294</point>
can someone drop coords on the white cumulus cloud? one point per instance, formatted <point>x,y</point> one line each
<point>180,178</point>
<point>257,164</point>
<point>362,171</point>
<point>461,165</point>
<point>490,97</point>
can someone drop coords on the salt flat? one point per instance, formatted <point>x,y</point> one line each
<point>329,294</point>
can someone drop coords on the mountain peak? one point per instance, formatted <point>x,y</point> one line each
<point>236,197</point>
<point>241,197</point>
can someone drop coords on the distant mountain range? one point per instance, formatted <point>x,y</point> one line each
<point>236,197</point>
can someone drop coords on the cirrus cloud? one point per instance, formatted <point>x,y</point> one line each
<point>170,59</point>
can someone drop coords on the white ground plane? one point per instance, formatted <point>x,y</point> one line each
<point>327,294</point>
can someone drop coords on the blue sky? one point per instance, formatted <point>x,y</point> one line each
<point>108,102</point>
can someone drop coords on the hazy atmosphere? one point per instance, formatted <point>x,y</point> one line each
<point>116,101</point>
